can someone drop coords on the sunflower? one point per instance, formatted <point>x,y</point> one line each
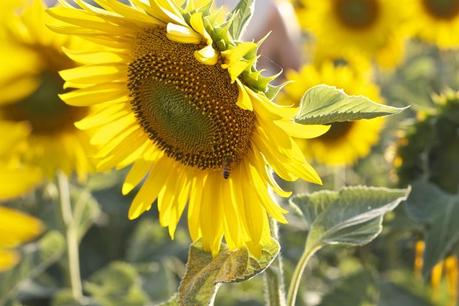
<point>345,142</point>
<point>16,228</point>
<point>30,58</point>
<point>374,28</point>
<point>436,21</point>
<point>178,97</point>
<point>16,178</point>
<point>430,148</point>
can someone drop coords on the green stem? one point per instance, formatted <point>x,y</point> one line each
<point>274,276</point>
<point>71,234</point>
<point>298,273</point>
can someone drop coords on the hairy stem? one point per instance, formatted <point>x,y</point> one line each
<point>298,273</point>
<point>274,276</point>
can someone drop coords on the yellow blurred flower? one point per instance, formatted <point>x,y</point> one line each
<point>345,142</point>
<point>189,113</point>
<point>436,21</point>
<point>374,28</point>
<point>30,58</point>
<point>16,228</point>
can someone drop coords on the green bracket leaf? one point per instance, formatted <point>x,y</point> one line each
<point>204,272</point>
<point>439,212</point>
<point>36,258</point>
<point>352,216</point>
<point>242,14</point>
<point>325,104</point>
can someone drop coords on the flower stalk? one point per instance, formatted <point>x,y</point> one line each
<point>71,233</point>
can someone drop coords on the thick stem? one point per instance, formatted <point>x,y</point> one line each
<point>71,234</point>
<point>274,276</point>
<point>298,273</point>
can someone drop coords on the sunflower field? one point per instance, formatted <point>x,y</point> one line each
<point>229,152</point>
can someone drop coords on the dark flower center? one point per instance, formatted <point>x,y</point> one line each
<point>187,108</point>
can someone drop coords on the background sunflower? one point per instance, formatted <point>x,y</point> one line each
<point>30,58</point>
<point>374,28</point>
<point>436,21</point>
<point>345,142</point>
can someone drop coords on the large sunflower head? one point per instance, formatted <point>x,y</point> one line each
<point>30,58</point>
<point>374,28</point>
<point>430,148</point>
<point>177,95</point>
<point>345,142</point>
<point>436,21</point>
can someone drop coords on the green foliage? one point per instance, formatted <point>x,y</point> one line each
<point>241,16</point>
<point>353,216</point>
<point>204,272</point>
<point>36,258</point>
<point>117,284</point>
<point>323,104</point>
<point>439,212</point>
<point>344,293</point>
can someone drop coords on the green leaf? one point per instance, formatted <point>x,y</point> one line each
<point>36,258</point>
<point>353,216</point>
<point>394,294</point>
<point>439,212</point>
<point>117,284</point>
<point>344,292</point>
<point>241,15</point>
<point>325,104</point>
<point>204,272</point>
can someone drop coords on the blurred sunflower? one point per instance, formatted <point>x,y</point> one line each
<point>179,98</point>
<point>436,21</point>
<point>374,28</point>
<point>30,58</point>
<point>16,178</point>
<point>430,147</point>
<point>345,142</point>
<point>16,228</point>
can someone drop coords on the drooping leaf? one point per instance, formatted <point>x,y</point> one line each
<point>117,284</point>
<point>36,258</point>
<point>204,273</point>
<point>439,212</point>
<point>242,14</point>
<point>351,216</point>
<point>325,104</point>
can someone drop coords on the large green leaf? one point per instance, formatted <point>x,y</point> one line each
<point>36,258</point>
<point>117,284</point>
<point>241,15</point>
<point>352,216</point>
<point>325,104</point>
<point>204,272</point>
<point>439,212</point>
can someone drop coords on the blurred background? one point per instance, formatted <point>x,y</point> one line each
<point>398,53</point>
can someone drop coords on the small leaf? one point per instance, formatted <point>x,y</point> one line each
<point>242,14</point>
<point>35,259</point>
<point>118,284</point>
<point>204,272</point>
<point>352,216</point>
<point>325,104</point>
<point>439,212</point>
